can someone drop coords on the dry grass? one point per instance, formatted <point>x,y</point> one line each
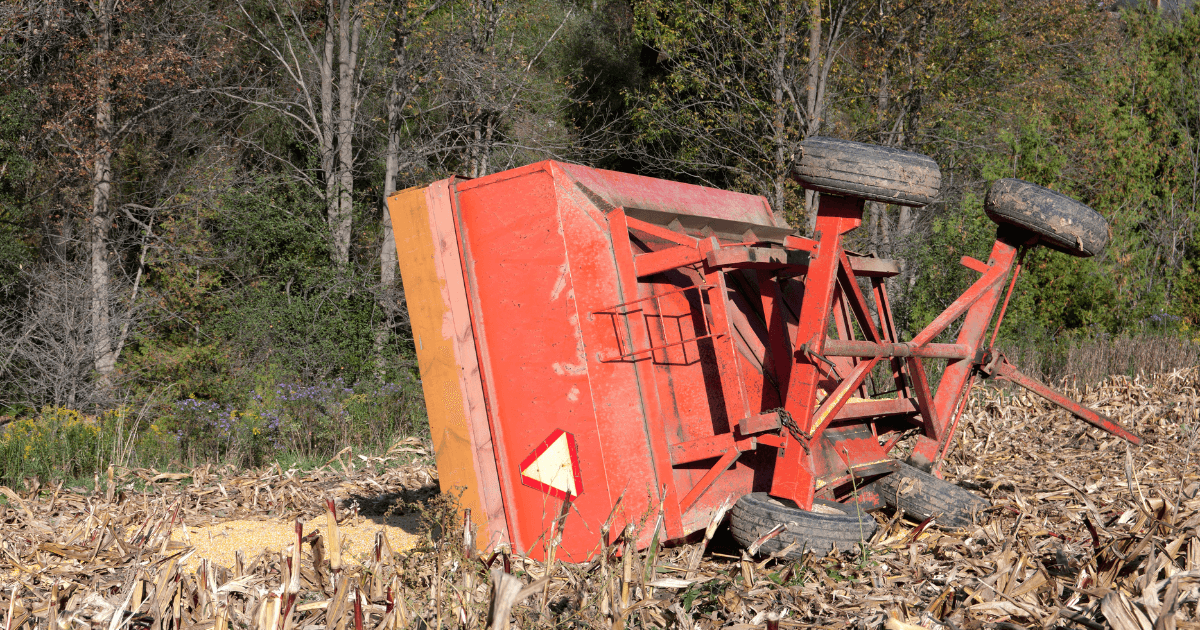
<point>1082,533</point>
<point>1093,359</point>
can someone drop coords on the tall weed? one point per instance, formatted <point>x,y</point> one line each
<point>1091,359</point>
<point>61,443</point>
<point>286,421</point>
<point>300,420</point>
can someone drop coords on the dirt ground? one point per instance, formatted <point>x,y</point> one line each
<point>1082,532</point>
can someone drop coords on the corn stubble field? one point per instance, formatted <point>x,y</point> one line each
<point>1082,533</point>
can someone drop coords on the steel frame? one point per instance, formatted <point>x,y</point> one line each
<point>829,436</point>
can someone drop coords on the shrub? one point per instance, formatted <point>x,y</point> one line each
<point>66,444</point>
<point>305,420</point>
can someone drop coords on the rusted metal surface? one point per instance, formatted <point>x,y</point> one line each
<point>599,345</point>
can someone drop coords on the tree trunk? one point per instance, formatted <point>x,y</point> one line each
<point>883,98</point>
<point>483,117</point>
<point>814,65</point>
<point>814,120</point>
<point>327,130</point>
<point>387,256</point>
<point>488,135</point>
<point>476,146</point>
<point>349,28</point>
<point>878,230</point>
<point>778,123</point>
<point>104,358</point>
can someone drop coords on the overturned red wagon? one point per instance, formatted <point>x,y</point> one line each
<point>605,348</point>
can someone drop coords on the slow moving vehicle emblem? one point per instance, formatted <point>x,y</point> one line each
<point>553,467</point>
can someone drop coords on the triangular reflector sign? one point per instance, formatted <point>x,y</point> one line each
<point>553,467</point>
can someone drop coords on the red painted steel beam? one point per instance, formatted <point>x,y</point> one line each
<point>742,255</point>
<point>924,397</point>
<point>851,348</point>
<point>978,304</point>
<point>962,404</point>
<point>1006,371</point>
<point>876,408</point>
<point>994,275</point>
<point>733,390</point>
<point>865,267</point>
<point>777,331</point>
<point>666,234</point>
<point>666,259</point>
<point>887,327</point>
<point>834,402</point>
<point>717,445</point>
<point>975,265</point>
<point>794,475</point>
<point>770,439</point>
<point>799,242</point>
<point>707,480</point>
<point>844,326</point>
<point>638,333</point>
<point>853,294</point>
<point>702,449</point>
<point>759,423</point>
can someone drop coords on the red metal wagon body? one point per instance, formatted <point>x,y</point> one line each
<point>612,348</point>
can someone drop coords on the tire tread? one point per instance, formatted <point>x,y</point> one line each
<point>951,505</point>
<point>755,514</point>
<point>867,171</point>
<point>1062,223</point>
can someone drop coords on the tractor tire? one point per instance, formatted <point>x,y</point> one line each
<point>1061,222</point>
<point>843,526</point>
<point>922,495</point>
<point>867,171</point>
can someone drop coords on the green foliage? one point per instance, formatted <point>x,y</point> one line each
<point>703,599</point>
<point>1124,113</point>
<point>274,421</point>
<point>182,370</point>
<point>15,171</point>
<point>1138,143</point>
<point>1055,293</point>
<point>249,284</point>
<point>239,307</point>
<point>60,443</point>
<point>941,278</point>
<point>1058,293</point>
<point>600,57</point>
<point>250,309</point>
<point>272,228</point>
<point>718,108</point>
<point>319,327</point>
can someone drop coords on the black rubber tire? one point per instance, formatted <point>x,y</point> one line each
<point>1061,222</point>
<point>757,513</point>
<point>867,171</point>
<point>928,496</point>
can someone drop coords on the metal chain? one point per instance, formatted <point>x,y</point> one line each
<point>789,423</point>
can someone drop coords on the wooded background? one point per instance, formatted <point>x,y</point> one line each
<point>191,192</point>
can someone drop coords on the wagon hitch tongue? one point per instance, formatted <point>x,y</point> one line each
<point>1000,367</point>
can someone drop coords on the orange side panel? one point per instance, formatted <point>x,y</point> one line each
<point>437,308</point>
